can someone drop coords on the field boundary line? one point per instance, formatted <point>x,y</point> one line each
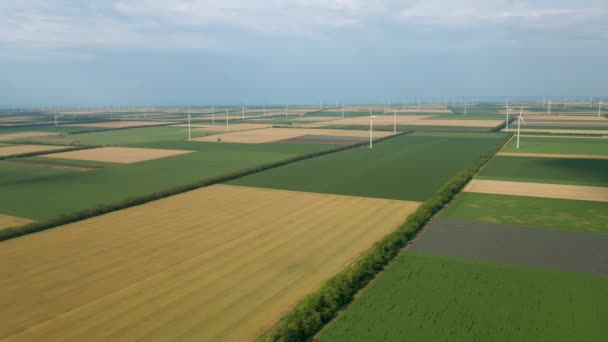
<point>14,232</point>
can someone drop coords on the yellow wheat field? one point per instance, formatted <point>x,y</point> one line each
<point>125,155</point>
<point>221,263</point>
<point>13,150</point>
<point>7,221</point>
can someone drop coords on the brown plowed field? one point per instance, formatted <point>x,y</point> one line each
<point>532,247</point>
<point>124,155</point>
<point>220,263</point>
<point>575,192</point>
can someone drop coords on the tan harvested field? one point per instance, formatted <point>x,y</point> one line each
<point>563,131</point>
<point>307,125</point>
<point>378,120</point>
<point>575,192</point>
<point>277,134</point>
<point>13,150</point>
<point>122,124</point>
<point>24,135</point>
<point>564,117</point>
<point>221,127</point>
<point>124,155</point>
<point>312,118</point>
<point>567,124</point>
<point>7,221</point>
<point>552,155</point>
<point>456,123</point>
<point>422,110</point>
<point>220,263</point>
<point>564,136</point>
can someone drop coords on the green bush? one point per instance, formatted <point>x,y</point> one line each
<point>311,314</point>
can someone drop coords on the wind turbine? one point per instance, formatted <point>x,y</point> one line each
<point>395,121</point>
<point>243,110</point>
<point>227,124</point>
<point>264,114</point>
<point>213,115</point>
<point>343,111</point>
<point>549,107</point>
<point>418,106</point>
<point>55,118</point>
<point>371,128</point>
<point>465,107</point>
<point>285,111</point>
<point>520,119</point>
<point>599,109</point>
<point>189,128</point>
<point>507,122</point>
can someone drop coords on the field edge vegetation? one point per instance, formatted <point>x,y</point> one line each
<point>311,314</point>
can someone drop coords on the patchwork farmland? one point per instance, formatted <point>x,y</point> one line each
<point>499,261</point>
<point>260,223</point>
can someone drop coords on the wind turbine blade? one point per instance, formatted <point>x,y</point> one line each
<point>370,111</point>
<point>522,120</point>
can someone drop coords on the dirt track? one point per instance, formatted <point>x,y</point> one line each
<point>576,192</point>
<point>533,247</point>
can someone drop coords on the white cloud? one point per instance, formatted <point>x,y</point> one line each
<point>203,24</point>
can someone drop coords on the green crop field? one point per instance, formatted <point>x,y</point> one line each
<point>559,146</point>
<point>38,192</point>
<point>123,136</point>
<point>408,167</point>
<point>548,213</point>
<point>427,298</point>
<point>547,170</point>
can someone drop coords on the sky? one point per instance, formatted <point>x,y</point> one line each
<point>194,52</point>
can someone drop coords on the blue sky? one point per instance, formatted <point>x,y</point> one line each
<point>187,52</point>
